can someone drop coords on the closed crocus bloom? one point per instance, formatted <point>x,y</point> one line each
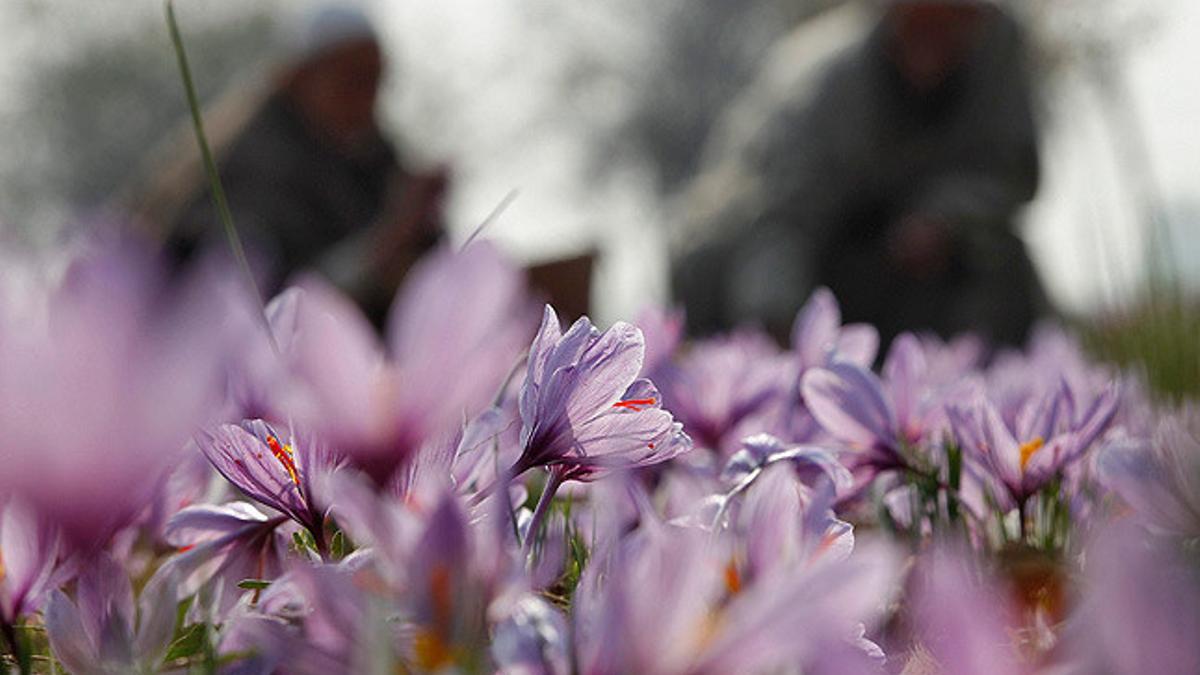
<point>722,384</point>
<point>880,421</point>
<point>1140,609</point>
<point>106,379</point>
<point>455,331</point>
<point>584,413</point>
<point>819,338</point>
<point>1159,478</point>
<point>28,552</point>
<point>103,631</point>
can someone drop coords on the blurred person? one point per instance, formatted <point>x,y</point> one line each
<point>884,153</point>
<point>311,181</point>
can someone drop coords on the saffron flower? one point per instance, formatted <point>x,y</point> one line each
<point>274,470</point>
<point>701,619</point>
<point>28,553</point>
<point>455,331</point>
<point>1159,478</point>
<point>1046,439</point>
<point>584,413</point>
<point>104,631</point>
<point>220,546</point>
<point>101,386</point>
<point>722,385</point>
<point>880,421</point>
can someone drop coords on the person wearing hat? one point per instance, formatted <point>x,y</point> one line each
<point>890,167</point>
<point>311,182</point>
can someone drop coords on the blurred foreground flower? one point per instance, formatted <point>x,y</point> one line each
<point>102,381</point>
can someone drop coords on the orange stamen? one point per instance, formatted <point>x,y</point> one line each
<point>733,580</point>
<point>1028,450</point>
<point>185,549</point>
<point>283,453</point>
<point>432,650</point>
<point>635,403</point>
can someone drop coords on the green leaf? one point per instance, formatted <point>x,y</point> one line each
<point>337,546</point>
<point>189,644</point>
<point>253,584</point>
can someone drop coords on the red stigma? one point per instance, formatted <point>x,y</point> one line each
<point>283,453</point>
<point>635,403</point>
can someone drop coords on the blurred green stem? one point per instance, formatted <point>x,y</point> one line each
<point>214,178</point>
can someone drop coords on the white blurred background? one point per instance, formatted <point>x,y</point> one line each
<point>597,111</point>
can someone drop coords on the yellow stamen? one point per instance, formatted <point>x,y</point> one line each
<point>1028,450</point>
<point>1,566</point>
<point>431,651</point>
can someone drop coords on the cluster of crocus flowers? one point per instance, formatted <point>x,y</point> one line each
<point>437,501</point>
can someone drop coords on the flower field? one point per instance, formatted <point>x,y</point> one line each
<point>187,487</point>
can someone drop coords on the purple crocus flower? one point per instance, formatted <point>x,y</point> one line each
<point>819,338</point>
<point>317,619</point>
<point>1159,478</point>
<point>880,421</point>
<point>584,413</point>
<point>662,331</point>
<point>1045,440</point>
<point>220,546</point>
<point>964,625</point>
<point>531,639</point>
<point>103,631</point>
<point>274,470</point>
<point>784,525</point>
<point>1140,611</point>
<point>28,552</point>
<point>100,388</point>
<point>455,331</point>
<point>700,620</point>
<point>722,385</point>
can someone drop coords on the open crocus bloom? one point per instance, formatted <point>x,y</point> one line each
<point>274,470</point>
<point>1045,440</point>
<point>584,413</point>
<point>880,420</point>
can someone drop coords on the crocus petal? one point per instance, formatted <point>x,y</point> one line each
<point>68,638</point>
<point>815,331</point>
<point>798,616</point>
<point>1129,468</point>
<point>857,343</point>
<point>156,617</point>
<point>455,331</point>
<point>903,370</point>
<point>849,403</point>
<point>106,607</point>
<point>29,547</point>
<point>965,626</point>
<point>335,395</point>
